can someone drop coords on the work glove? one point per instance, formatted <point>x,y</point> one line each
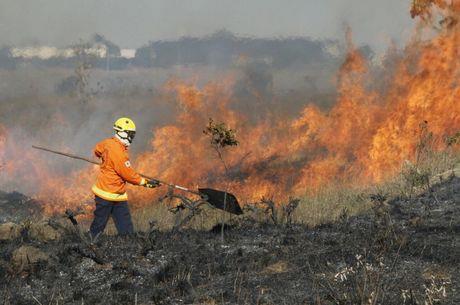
<point>151,183</point>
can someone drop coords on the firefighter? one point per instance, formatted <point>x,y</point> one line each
<point>115,171</point>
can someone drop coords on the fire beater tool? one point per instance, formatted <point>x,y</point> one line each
<point>218,199</point>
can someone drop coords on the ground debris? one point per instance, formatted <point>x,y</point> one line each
<point>403,252</point>
<point>25,257</point>
<point>15,207</point>
<point>9,231</point>
<point>43,232</point>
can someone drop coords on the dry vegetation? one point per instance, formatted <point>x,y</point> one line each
<point>330,204</point>
<point>401,250</point>
<point>390,243</point>
<point>333,202</point>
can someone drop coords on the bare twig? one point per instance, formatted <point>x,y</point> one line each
<point>35,299</point>
<point>194,206</point>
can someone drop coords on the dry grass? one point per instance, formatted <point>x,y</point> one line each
<point>158,215</point>
<point>330,204</point>
<point>327,205</point>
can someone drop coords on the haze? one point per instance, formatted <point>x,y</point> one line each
<point>133,23</point>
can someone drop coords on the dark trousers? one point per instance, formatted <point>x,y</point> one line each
<point>120,215</point>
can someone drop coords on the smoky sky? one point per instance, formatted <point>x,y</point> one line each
<point>133,23</point>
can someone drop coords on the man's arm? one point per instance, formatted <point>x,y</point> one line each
<point>123,168</point>
<point>98,150</point>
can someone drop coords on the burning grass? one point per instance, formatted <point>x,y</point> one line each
<point>330,203</point>
<point>362,140</point>
<point>355,205</point>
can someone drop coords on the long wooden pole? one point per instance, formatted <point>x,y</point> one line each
<point>67,155</point>
<point>98,163</point>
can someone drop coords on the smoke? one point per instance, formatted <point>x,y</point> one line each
<point>34,112</point>
<point>57,105</point>
<point>58,23</point>
<point>298,130</point>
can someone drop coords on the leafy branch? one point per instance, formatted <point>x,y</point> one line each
<point>221,137</point>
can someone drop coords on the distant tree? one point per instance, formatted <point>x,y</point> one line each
<point>6,59</point>
<point>84,62</point>
<point>222,47</point>
<point>145,56</point>
<point>112,49</point>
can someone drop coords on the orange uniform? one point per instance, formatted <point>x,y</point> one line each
<point>115,171</point>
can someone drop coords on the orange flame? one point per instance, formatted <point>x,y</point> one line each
<point>365,137</point>
<point>22,166</point>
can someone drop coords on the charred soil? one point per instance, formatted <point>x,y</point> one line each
<point>403,251</point>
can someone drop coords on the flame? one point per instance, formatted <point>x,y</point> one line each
<point>22,166</point>
<point>426,9</point>
<point>365,137</point>
<point>2,146</point>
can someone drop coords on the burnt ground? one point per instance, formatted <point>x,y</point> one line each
<point>404,251</point>
<point>16,207</point>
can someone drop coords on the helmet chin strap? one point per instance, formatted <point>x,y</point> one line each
<point>123,138</point>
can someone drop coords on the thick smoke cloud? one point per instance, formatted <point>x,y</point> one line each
<point>133,23</point>
<point>272,75</point>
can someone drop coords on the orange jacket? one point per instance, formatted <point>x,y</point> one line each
<point>115,171</point>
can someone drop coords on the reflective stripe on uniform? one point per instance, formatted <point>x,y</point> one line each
<point>109,196</point>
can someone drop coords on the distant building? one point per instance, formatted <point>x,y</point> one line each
<point>43,52</point>
<point>128,53</point>
<point>46,52</point>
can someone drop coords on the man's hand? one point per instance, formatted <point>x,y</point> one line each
<point>151,183</point>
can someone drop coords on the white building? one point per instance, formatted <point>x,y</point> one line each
<point>46,52</point>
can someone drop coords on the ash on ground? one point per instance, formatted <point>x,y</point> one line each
<point>404,251</point>
<point>16,207</point>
